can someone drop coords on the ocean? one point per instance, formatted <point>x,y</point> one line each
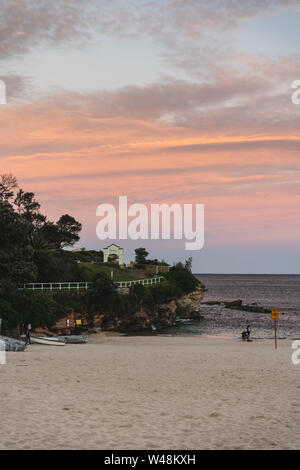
<point>269,291</point>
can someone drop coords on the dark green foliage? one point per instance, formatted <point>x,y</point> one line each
<point>162,293</point>
<point>29,208</point>
<point>61,234</point>
<point>57,266</point>
<point>8,183</point>
<point>39,310</point>
<point>87,256</point>
<point>141,261</point>
<point>25,307</point>
<point>183,281</point>
<point>180,281</point>
<point>138,290</point>
<point>16,252</point>
<point>103,295</point>
<point>156,262</point>
<point>140,256</point>
<point>30,251</point>
<point>68,229</point>
<point>10,317</point>
<point>71,300</point>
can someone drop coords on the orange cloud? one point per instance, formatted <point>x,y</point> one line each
<point>74,159</point>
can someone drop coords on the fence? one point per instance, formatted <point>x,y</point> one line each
<point>46,286</point>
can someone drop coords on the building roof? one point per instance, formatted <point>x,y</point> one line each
<point>113,244</point>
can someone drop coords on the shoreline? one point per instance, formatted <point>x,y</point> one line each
<point>155,392</point>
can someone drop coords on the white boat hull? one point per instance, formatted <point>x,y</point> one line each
<point>71,339</point>
<point>46,341</point>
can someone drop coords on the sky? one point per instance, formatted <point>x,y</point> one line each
<point>164,101</point>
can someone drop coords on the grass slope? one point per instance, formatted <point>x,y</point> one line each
<point>90,272</point>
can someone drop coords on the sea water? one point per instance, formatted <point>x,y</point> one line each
<point>269,291</point>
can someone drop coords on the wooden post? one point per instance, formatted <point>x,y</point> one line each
<point>275,315</point>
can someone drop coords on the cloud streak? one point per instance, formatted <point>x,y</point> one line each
<point>226,134</point>
<point>27,23</point>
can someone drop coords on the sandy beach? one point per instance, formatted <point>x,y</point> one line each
<point>151,393</point>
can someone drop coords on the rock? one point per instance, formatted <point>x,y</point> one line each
<point>162,316</point>
<point>146,319</point>
<point>234,303</point>
<point>188,305</point>
<point>213,302</point>
<point>238,305</point>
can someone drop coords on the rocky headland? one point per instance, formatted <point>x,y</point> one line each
<point>146,319</point>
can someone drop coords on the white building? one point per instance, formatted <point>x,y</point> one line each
<point>113,253</point>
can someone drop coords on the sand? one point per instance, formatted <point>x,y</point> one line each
<point>151,393</point>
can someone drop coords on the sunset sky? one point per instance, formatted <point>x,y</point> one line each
<point>175,101</point>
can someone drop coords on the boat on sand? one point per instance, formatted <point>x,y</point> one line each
<point>71,339</point>
<point>46,341</point>
<point>12,344</point>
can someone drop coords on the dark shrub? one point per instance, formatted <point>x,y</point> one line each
<point>182,279</point>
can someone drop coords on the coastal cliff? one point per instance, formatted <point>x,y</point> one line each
<point>162,315</point>
<point>135,310</point>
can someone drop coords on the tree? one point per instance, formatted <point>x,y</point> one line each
<point>103,297</point>
<point>27,244</point>
<point>49,233</point>
<point>140,256</point>
<point>16,252</point>
<point>182,279</point>
<point>102,293</point>
<point>10,317</point>
<point>61,234</point>
<point>29,209</point>
<point>68,229</point>
<point>188,264</point>
<point>7,185</point>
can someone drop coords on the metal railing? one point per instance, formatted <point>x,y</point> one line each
<point>46,286</point>
<point>144,282</point>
